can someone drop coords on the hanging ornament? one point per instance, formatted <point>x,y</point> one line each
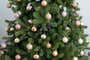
<point>80,41</point>
<point>43,36</point>
<point>1,52</point>
<point>17,57</point>
<point>36,56</point>
<point>3,45</point>
<point>17,40</point>
<point>64,13</point>
<point>65,39</point>
<point>17,14</point>
<point>48,16</point>
<point>8,5</point>
<point>75,58</point>
<point>29,46</point>
<point>29,7</point>
<point>55,53</point>
<point>44,3</point>
<point>74,4</point>
<point>30,21</point>
<point>64,8</point>
<point>82,53</point>
<point>18,26</point>
<point>34,29</point>
<point>18,0</point>
<point>67,29</point>
<point>48,45</point>
<point>11,29</point>
<point>78,23</point>
<point>82,24</point>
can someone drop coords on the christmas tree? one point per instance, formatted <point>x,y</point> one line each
<point>45,30</point>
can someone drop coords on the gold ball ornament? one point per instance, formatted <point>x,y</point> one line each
<point>48,16</point>
<point>29,46</point>
<point>36,56</point>
<point>34,29</point>
<point>48,45</point>
<point>55,53</point>
<point>17,40</point>
<point>44,3</point>
<point>8,5</point>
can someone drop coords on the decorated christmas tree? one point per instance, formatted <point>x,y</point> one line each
<point>45,30</point>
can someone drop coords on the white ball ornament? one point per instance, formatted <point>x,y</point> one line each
<point>43,36</point>
<point>36,56</point>
<point>44,3</point>
<point>17,40</point>
<point>82,53</point>
<point>64,13</point>
<point>55,53</point>
<point>48,16</point>
<point>82,24</point>
<point>80,41</point>
<point>18,57</point>
<point>75,58</point>
<point>29,46</point>
<point>18,26</point>
<point>1,52</point>
<point>65,39</point>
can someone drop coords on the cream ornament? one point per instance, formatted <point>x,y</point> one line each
<point>67,29</point>
<point>17,40</point>
<point>80,41</point>
<point>8,5</point>
<point>29,46</point>
<point>48,16</point>
<point>34,29</point>
<point>43,36</point>
<point>18,0</point>
<point>28,7</point>
<point>11,29</point>
<point>64,13</point>
<point>75,58</point>
<point>30,21</point>
<point>48,45</point>
<point>18,57</point>
<point>82,53</point>
<point>74,4</point>
<point>44,3</point>
<point>36,56</point>
<point>65,39</point>
<point>55,53</point>
<point>1,52</point>
<point>18,26</point>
